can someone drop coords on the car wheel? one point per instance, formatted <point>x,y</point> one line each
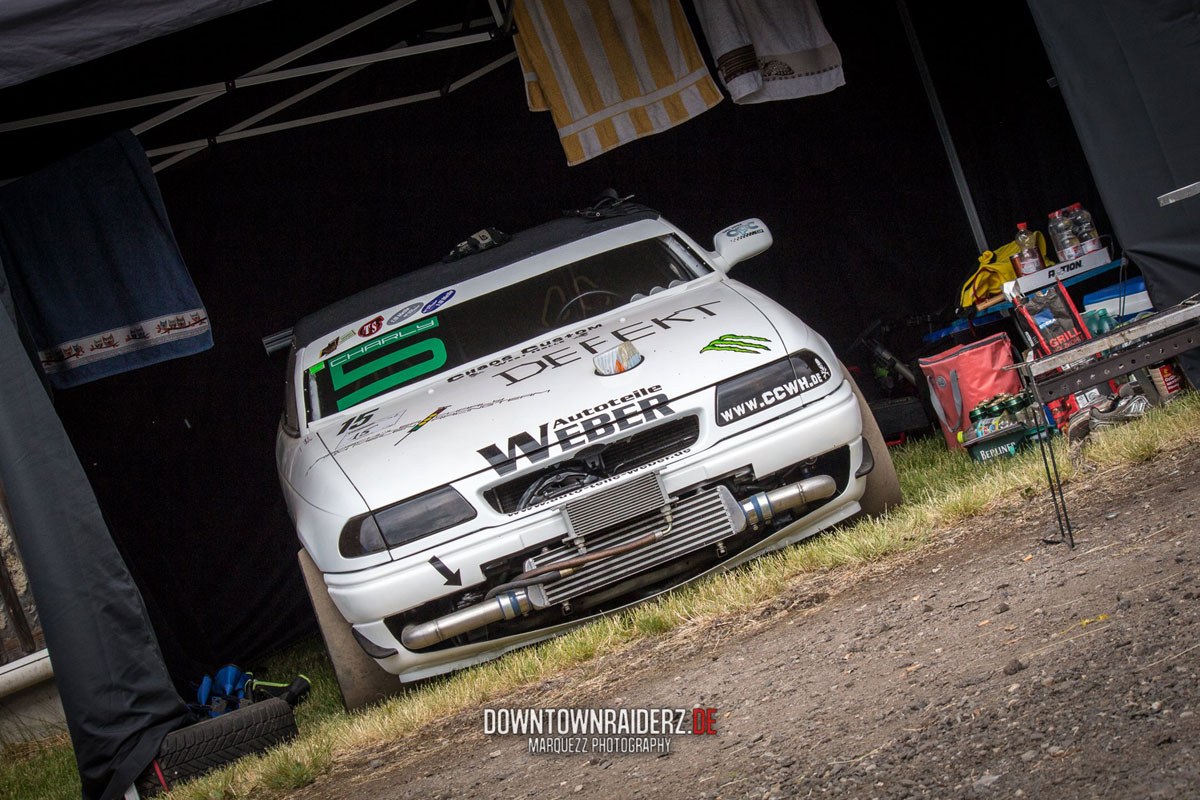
<point>883,487</point>
<point>197,749</point>
<point>359,678</point>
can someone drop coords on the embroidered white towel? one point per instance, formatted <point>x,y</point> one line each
<point>770,49</point>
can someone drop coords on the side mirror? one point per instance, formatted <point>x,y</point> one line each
<point>741,241</point>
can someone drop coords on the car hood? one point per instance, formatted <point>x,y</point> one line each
<point>543,399</point>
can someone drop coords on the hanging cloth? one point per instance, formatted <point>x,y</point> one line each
<point>610,72</point>
<point>95,272</point>
<point>116,694</point>
<point>770,49</point>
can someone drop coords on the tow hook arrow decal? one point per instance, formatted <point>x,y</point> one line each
<point>452,578</point>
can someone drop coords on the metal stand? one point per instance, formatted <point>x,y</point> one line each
<point>1057,498</point>
<point>1162,336</point>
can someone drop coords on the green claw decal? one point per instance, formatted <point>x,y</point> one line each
<point>737,343</point>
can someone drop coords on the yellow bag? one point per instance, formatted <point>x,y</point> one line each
<point>995,270</point>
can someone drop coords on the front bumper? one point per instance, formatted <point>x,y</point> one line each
<point>367,597</point>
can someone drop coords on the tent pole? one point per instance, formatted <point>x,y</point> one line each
<point>281,105</point>
<point>212,89</point>
<point>252,80</point>
<point>960,180</point>
<point>1182,193</point>
<point>198,144</point>
<point>309,92</point>
<point>251,120</point>
<point>496,15</point>
<point>371,58</point>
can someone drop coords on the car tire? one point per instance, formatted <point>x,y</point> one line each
<point>360,680</point>
<point>883,486</point>
<point>197,749</point>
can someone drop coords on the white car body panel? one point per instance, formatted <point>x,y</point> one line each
<point>490,420</point>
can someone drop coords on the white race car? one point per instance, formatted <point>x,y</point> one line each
<point>488,451</point>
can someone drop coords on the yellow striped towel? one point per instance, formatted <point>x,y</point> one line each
<point>610,71</point>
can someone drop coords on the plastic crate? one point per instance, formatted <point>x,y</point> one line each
<point>998,445</point>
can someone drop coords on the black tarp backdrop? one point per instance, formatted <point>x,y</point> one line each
<point>854,185</point>
<point>1130,75</point>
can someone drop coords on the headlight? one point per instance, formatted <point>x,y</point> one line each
<point>760,389</point>
<point>360,537</point>
<point>404,522</point>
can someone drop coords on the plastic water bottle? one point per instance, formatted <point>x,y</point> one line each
<point>1062,233</point>
<point>1028,259</point>
<point>1085,228</point>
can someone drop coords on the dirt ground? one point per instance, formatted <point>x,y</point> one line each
<point>988,664</point>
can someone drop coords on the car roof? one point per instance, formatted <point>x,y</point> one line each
<point>422,281</point>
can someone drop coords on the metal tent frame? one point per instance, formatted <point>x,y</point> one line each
<point>476,31</point>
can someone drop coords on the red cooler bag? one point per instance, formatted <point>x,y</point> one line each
<point>962,377</point>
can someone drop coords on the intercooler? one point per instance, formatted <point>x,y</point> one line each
<point>703,519</point>
<point>616,533</point>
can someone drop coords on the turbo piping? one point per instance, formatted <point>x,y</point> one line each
<point>765,506</point>
<point>505,606</point>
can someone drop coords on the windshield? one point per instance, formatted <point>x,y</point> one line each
<point>463,333</point>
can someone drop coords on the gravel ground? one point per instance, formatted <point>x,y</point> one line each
<point>988,664</point>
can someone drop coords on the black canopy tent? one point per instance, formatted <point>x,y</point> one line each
<point>857,180</point>
<point>1130,75</point>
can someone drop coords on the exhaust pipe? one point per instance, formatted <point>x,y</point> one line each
<point>765,506</point>
<point>508,605</point>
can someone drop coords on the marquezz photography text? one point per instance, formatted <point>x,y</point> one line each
<point>600,730</point>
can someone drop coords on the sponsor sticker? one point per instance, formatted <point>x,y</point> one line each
<point>738,343</point>
<point>569,348</point>
<point>371,328</point>
<point>490,403</point>
<point>743,230</point>
<point>438,302</point>
<point>577,430</point>
<point>421,424</point>
<point>404,313</point>
<point>736,406</point>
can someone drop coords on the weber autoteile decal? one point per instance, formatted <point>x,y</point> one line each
<point>578,429</point>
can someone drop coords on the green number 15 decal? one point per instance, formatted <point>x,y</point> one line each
<point>385,362</point>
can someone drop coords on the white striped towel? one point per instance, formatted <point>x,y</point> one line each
<point>610,71</point>
<point>770,49</point>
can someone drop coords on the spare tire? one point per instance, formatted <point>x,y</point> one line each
<point>194,750</point>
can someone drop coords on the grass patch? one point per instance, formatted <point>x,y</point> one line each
<point>42,770</point>
<point>941,488</point>
<point>1137,442</point>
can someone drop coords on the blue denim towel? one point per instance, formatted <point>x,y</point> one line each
<point>95,272</point>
